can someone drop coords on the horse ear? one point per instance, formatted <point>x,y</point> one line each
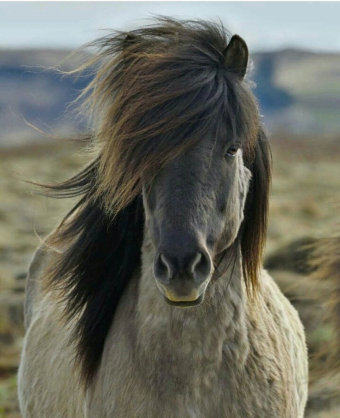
<point>130,39</point>
<point>236,56</point>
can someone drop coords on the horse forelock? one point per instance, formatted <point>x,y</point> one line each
<point>158,91</point>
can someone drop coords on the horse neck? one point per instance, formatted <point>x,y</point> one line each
<point>218,324</point>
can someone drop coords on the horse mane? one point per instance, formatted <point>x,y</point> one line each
<point>254,228</point>
<point>155,92</point>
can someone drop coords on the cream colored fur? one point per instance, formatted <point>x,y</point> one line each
<point>226,358</point>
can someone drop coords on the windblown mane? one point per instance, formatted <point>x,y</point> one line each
<point>156,91</point>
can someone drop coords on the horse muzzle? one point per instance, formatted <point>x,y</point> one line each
<point>183,279</point>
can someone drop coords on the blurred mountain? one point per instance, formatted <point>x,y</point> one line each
<point>34,93</point>
<point>298,91</point>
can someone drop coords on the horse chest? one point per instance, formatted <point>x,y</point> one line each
<point>189,369</point>
<point>163,382</point>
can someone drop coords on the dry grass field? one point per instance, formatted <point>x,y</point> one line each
<point>304,203</point>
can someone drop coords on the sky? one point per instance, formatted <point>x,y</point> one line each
<point>264,25</point>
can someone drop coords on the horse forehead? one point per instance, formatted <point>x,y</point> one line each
<point>198,157</point>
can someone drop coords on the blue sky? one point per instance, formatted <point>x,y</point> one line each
<point>264,25</point>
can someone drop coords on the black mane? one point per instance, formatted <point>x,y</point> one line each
<point>96,268</point>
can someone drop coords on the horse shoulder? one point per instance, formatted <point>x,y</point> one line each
<point>287,339</point>
<point>283,312</point>
<point>42,259</point>
<point>48,385</point>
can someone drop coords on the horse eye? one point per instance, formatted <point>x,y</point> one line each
<point>232,151</point>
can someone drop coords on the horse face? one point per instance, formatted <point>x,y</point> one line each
<point>194,209</point>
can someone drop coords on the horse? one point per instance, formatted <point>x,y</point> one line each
<point>150,299</point>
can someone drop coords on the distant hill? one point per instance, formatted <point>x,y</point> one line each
<point>299,92</point>
<point>32,93</point>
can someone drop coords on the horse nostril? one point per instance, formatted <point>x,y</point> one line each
<point>201,266</point>
<point>162,268</point>
<point>196,261</point>
<point>196,266</point>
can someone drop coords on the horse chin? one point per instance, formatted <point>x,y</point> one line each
<point>185,304</point>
